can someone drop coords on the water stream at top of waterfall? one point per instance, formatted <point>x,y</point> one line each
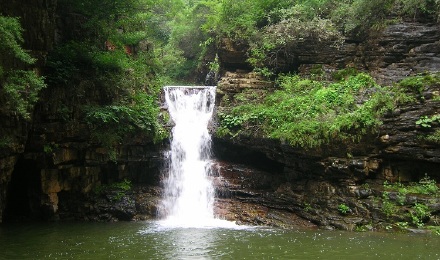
<point>189,194</point>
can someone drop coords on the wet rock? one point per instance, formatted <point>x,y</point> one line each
<point>245,213</point>
<point>147,202</point>
<point>363,193</point>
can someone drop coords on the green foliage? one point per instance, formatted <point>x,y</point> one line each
<point>115,62</point>
<point>214,65</point>
<point>111,124</point>
<point>65,63</point>
<point>434,229</point>
<point>343,209</point>
<point>190,45</point>
<point>417,84</point>
<point>49,148</point>
<point>127,81</point>
<point>11,40</point>
<point>434,137</point>
<point>361,228</point>
<point>343,74</point>
<point>21,89</point>
<point>426,121</point>
<point>402,225</point>
<point>309,113</point>
<point>119,188</point>
<point>124,185</point>
<point>230,121</point>
<point>418,7</point>
<point>19,86</point>
<point>277,43</point>
<point>426,186</point>
<point>275,28</point>
<point>123,22</point>
<point>388,207</point>
<point>307,207</point>
<point>419,213</point>
<point>358,17</point>
<point>241,19</point>
<point>5,141</point>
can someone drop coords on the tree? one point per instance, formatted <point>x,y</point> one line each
<point>19,84</point>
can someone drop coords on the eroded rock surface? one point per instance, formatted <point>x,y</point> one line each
<point>313,183</point>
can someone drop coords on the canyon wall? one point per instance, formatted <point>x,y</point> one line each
<point>51,166</point>
<point>268,175</point>
<point>38,20</point>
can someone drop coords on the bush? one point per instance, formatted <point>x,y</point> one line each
<point>115,62</point>
<point>21,89</point>
<point>434,137</point>
<point>419,213</point>
<point>425,186</point>
<point>417,84</point>
<point>343,209</point>
<point>11,39</point>
<point>118,188</point>
<point>19,86</point>
<point>309,113</point>
<point>276,44</point>
<point>111,124</point>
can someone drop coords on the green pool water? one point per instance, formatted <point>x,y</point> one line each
<point>149,240</point>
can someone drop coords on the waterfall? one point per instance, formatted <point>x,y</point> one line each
<point>189,193</point>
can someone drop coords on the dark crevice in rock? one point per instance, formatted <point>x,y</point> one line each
<point>24,191</point>
<point>244,155</point>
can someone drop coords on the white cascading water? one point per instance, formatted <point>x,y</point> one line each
<point>189,193</point>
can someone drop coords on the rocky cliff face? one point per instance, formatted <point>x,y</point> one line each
<point>38,19</point>
<point>315,183</point>
<point>399,50</point>
<point>50,167</point>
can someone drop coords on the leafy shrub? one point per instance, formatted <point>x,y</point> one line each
<point>388,207</point>
<point>426,186</point>
<point>418,7</point>
<point>241,19</point>
<point>417,84</point>
<point>5,142</point>
<point>358,17</point>
<point>426,121</point>
<point>419,213</point>
<point>111,124</point>
<point>21,89</point>
<point>115,61</point>
<point>434,229</point>
<point>19,86</point>
<point>434,137</point>
<point>309,113</point>
<point>12,39</point>
<point>119,188</point>
<point>276,44</point>
<point>343,74</point>
<point>343,209</point>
